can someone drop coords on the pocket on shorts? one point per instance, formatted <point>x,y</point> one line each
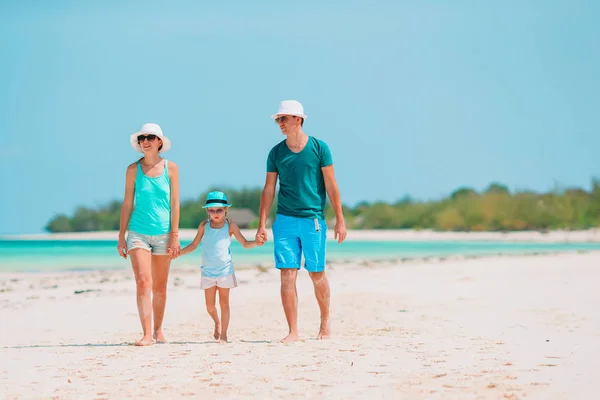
<point>286,257</point>
<point>160,244</point>
<point>137,241</point>
<point>314,245</point>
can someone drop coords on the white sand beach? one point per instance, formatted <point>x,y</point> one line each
<point>487,328</point>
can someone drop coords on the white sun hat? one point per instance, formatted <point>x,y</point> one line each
<point>290,107</point>
<point>150,129</point>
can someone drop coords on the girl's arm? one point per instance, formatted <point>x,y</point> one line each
<point>126,208</point>
<point>247,244</point>
<point>197,239</point>
<point>174,246</point>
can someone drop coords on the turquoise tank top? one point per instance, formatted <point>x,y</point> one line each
<point>216,252</point>
<point>151,203</point>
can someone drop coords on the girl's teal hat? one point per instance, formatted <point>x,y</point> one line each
<point>216,199</point>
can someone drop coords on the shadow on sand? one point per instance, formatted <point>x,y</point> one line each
<point>124,344</point>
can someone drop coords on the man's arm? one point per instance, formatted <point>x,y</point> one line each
<point>334,197</point>
<point>266,201</point>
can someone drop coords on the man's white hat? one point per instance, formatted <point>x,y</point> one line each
<point>290,107</point>
<point>150,129</point>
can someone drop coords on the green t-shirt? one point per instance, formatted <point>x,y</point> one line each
<point>301,185</point>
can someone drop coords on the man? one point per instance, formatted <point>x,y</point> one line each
<point>304,167</point>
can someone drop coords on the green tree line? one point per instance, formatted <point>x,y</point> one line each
<point>465,209</point>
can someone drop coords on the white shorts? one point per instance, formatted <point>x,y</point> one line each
<point>226,282</point>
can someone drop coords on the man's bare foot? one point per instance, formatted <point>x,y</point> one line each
<point>145,341</point>
<point>292,337</point>
<point>159,336</point>
<point>223,339</point>
<point>217,332</point>
<point>324,331</point>
<point>325,334</point>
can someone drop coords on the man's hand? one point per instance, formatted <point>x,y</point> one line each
<point>261,235</point>
<point>339,231</point>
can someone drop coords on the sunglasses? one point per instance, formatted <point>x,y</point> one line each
<point>150,138</point>
<point>283,119</point>
<point>216,210</point>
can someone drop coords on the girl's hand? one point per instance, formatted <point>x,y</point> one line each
<point>261,235</point>
<point>174,247</point>
<point>122,247</point>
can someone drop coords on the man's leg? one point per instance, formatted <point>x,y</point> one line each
<point>322,293</point>
<point>288,253</point>
<point>314,246</point>
<point>289,299</point>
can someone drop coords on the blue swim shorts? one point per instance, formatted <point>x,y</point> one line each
<point>294,236</point>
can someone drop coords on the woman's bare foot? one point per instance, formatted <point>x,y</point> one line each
<point>159,336</point>
<point>223,339</point>
<point>145,341</point>
<point>217,332</point>
<point>292,337</point>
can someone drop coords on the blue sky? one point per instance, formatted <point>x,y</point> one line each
<point>413,97</point>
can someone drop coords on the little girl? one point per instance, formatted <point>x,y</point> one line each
<point>217,266</point>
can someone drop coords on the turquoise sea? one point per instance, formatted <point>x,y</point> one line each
<point>78,255</point>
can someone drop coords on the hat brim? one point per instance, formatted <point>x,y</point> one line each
<point>294,114</point>
<point>216,205</point>
<point>137,147</point>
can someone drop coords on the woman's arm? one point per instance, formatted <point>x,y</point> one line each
<point>197,239</point>
<point>174,246</point>
<point>247,244</point>
<point>126,208</point>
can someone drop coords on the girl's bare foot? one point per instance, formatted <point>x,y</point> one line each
<point>159,336</point>
<point>223,339</point>
<point>217,332</point>
<point>145,341</point>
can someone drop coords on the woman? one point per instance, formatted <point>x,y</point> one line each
<point>150,214</point>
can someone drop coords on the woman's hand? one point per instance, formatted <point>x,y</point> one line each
<point>122,247</point>
<point>174,247</point>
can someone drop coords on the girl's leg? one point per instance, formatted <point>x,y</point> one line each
<point>141,261</point>
<point>160,277</point>
<point>210,295</point>
<point>224,304</point>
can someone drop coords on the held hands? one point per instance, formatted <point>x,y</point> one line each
<point>339,231</point>
<point>174,247</point>
<point>261,236</point>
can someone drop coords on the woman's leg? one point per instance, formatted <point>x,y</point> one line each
<point>141,261</point>
<point>160,277</point>
<point>210,295</point>
<point>224,304</point>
